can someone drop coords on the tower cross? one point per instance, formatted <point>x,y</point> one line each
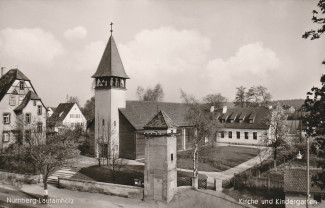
<point>111,27</point>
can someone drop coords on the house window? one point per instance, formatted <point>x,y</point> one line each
<point>6,137</point>
<point>103,122</point>
<point>21,85</point>
<point>28,117</point>
<point>39,127</point>
<point>172,157</point>
<point>255,135</point>
<point>6,118</point>
<point>229,134</point>
<point>222,134</point>
<point>246,135</point>
<point>28,135</point>
<point>12,100</point>
<point>34,102</point>
<point>238,134</point>
<point>39,110</point>
<point>114,123</point>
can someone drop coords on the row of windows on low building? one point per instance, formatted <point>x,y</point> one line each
<point>75,116</point>
<point>238,135</point>
<point>28,133</point>
<point>28,116</point>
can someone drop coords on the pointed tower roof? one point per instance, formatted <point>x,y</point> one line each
<point>111,63</point>
<point>160,121</point>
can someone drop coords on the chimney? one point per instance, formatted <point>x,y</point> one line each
<point>2,70</point>
<point>224,109</point>
<point>212,109</point>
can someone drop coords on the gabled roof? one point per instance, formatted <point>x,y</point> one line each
<point>111,63</point>
<point>295,181</point>
<point>8,79</point>
<point>30,96</point>
<point>139,113</point>
<point>160,121</point>
<point>61,112</point>
<point>258,115</point>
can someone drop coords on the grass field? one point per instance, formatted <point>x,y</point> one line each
<point>216,158</point>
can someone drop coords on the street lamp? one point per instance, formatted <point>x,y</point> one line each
<point>299,156</point>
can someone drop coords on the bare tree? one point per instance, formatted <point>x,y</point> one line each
<point>204,122</point>
<point>154,94</point>
<point>216,100</point>
<point>58,151</point>
<point>277,136</point>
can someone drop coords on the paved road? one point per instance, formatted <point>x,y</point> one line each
<point>184,198</point>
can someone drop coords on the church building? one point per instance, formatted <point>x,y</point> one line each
<point>118,126</point>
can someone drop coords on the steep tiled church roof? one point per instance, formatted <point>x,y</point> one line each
<point>139,113</point>
<point>160,121</point>
<point>111,63</point>
<point>8,79</point>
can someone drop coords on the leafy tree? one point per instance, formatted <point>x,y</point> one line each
<point>59,150</point>
<point>240,99</point>
<point>258,96</point>
<point>89,109</point>
<point>154,94</point>
<point>204,122</point>
<point>255,96</point>
<point>278,131</point>
<point>315,103</point>
<point>216,100</point>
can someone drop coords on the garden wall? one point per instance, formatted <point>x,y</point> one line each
<point>104,188</point>
<point>25,178</point>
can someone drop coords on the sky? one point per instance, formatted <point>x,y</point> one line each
<point>201,47</point>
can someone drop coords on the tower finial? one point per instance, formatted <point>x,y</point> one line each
<point>111,27</point>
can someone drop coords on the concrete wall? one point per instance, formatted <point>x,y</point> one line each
<point>104,188</point>
<point>260,135</point>
<point>25,178</point>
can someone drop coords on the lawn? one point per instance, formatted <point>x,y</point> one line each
<point>216,158</point>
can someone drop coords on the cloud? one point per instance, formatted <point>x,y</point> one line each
<point>77,33</point>
<point>181,59</point>
<point>162,55</point>
<point>29,45</point>
<point>251,65</point>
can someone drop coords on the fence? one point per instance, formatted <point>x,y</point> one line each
<point>240,182</point>
<point>187,181</point>
<point>252,176</point>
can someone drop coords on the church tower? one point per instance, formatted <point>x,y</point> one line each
<point>110,95</point>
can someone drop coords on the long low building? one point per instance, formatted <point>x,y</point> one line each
<point>244,125</point>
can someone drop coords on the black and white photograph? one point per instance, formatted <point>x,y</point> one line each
<point>162,103</point>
